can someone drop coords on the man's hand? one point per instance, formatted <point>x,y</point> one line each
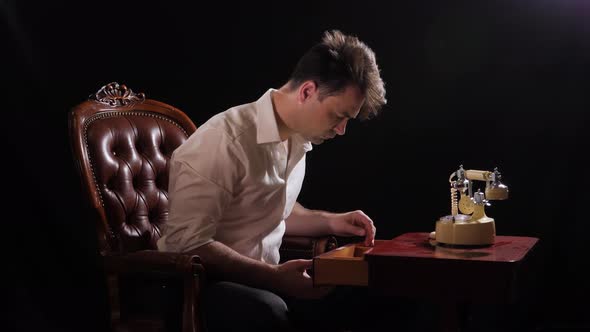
<point>306,222</point>
<point>292,279</point>
<point>355,223</point>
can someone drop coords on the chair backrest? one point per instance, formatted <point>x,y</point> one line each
<point>122,143</point>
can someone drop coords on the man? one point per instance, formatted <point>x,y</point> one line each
<point>234,185</point>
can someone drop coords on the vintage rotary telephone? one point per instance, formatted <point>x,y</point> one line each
<point>471,226</point>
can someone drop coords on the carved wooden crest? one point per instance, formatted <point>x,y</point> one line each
<point>115,94</point>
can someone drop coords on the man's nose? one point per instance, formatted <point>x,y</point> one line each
<point>340,129</point>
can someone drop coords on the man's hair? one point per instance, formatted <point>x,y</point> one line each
<point>338,61</point>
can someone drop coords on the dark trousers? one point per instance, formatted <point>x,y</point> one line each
<point>230,306</point>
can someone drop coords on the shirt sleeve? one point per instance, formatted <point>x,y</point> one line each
<point>201,181</point>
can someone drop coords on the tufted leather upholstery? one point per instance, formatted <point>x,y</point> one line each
<point>123,155</point>
<point>130,154</point>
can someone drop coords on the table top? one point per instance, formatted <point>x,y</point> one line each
<point>410,266</point>
<point>417,245</point>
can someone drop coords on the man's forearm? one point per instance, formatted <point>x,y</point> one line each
<point>306,222</point>
<point>224,263</point>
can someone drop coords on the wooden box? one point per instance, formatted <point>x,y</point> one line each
<point>342,266</point>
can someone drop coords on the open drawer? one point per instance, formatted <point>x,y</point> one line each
<point>342,266</point>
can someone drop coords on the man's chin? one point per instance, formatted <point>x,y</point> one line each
<point>316,140</point>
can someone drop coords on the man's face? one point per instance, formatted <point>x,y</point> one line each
<point>327,118</point>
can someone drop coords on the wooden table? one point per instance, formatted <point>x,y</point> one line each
<point>410,266</point>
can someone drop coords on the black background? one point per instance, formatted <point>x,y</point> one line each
<point>482,84</point>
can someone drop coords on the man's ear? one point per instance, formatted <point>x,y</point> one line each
<point>306,90</point>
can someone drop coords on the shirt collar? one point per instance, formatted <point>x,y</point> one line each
<point>267,129</point>
<point>305,143</point>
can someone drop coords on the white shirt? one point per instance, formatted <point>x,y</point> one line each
<point>234,181</point>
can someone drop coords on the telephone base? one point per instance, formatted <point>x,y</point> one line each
<point>461,231</point>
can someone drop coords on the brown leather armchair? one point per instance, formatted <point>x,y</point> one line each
<point>121,143</point>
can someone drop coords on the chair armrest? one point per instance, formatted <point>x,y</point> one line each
<point>305,247</point>
<point>153,261</point>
